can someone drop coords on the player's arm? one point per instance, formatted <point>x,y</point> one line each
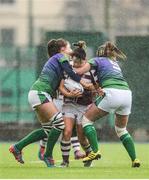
<point>87,67</point>
<point>68,69</point>
<point>83,69</point>
<point>73,75</point>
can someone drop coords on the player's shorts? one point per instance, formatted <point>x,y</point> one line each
<point>74,111</point>
<point>36,98</point>
<point>58,103</point>
<point>115,100</point>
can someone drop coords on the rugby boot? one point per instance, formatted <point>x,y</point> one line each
<point>88,164</point>
<point>16,153</point>
<point>92,156</point>
<point>49,161</point>
<point>136,163</point>
<point>64,164</point>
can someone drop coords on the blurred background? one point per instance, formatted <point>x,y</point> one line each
<point>27,25</point>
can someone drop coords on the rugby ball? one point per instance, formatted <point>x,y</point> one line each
<point>73,85</point>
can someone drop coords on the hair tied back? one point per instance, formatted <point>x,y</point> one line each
<point>80,44</point>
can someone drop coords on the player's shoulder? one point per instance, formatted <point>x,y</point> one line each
<point>93,61</point>
<point>62,57</point>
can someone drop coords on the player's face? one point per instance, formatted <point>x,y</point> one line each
<point>77,63</point>
<point>68,49</point>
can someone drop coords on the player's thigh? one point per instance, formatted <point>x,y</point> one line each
<point>46,111</point>
<point>94,113</point>
<point>69,123</point>
<point>42,104</point>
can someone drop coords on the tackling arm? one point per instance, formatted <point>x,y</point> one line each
<point>83,69</point>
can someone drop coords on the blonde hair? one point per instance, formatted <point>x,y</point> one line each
<point>108,49</point>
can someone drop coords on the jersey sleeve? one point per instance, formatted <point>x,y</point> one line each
<point>68,69</point>
<point>92,62</point>
<point>63,58</point>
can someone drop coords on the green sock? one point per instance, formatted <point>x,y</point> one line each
<point>91,135</point>
<point>52,139</point>
<point>34,136</point>
<point>129,145</point>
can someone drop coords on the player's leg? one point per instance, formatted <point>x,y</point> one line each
<point>122,114</point>
<point>76,144</point>
<point>32,137</point>
<point>84,143</point>
<point>49,115</point>
<point>83,140</point>
<point>69,120</point>
<point>88,119</point>
<point>42,144</point>
<point>125,137</point>
<point>92,114</point>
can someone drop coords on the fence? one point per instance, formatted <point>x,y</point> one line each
<point>17,73</point>
<point>136,70</point>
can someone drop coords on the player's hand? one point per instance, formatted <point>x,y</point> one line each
<point>100,91</point>
<point>88,86</point>
<point>75,93</point>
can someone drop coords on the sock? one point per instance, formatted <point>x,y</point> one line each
<point>52,139</point>
<point>75,143</point>
<point>91,135</point>
<point>34,136</point>
<point>87,148</point>
<point>65,148</point>
<point>129,145</point>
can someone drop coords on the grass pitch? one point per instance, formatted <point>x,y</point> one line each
<point>114,164</point>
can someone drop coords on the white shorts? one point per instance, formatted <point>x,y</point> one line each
<point>58,103</point>
<point>36,98</point>
<point>74,111</point>
<point>116,100</point>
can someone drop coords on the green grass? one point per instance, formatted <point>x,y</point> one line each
<point>115,163</point>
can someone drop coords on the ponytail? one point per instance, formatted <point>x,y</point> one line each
<point>80,44</point>
<point>80,51</point>
<point>110,50</point>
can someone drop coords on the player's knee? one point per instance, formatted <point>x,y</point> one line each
<point>58,122</point>
<point>86,121</point>
<point>120,131</point>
